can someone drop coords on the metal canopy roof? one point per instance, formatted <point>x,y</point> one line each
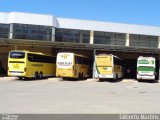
<point>81,46</point>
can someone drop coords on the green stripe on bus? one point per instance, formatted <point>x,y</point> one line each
<point>146,68</point>
<point>97,69</point>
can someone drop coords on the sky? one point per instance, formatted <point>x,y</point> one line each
<point>144,12</point>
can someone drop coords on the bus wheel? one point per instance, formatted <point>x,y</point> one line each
<point>26,78</point>
<point>82,75</point>
<point>40,75</point>
<point>101,80</point>
<point>116,76</point>
<point>79,76</point>
<point>36,75</point>
<point>20,78</point>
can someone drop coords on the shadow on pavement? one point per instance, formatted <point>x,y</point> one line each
<point>110,80</point>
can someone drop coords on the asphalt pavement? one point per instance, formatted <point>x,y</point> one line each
<point>54,95</point>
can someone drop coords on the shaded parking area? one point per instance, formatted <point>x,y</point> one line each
<point>128,54</point>
<point>130,62</point>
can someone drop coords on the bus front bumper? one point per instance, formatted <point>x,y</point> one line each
<point>66,76</point>
<point>65,73</point>
<point>146,77</point>
<point>105,76</point>
<point>16,74</point>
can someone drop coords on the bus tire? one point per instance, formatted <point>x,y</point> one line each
<point>26,78</point>
<point>40,75</point>
<point>82,75</point>
<point>36,75</point>
<point>20,78</point>
<point>79,76</point>
<point>116,77</point>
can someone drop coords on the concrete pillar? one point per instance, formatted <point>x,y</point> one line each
<point>94,64</point>
<point>91,37</point>
<point>81,37</point>
<point>53,34</point>
<point>159,68</point>
<point>11,31</point>
<point>127,39</point>
<point>158,41</point>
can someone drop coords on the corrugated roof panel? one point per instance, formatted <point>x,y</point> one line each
<point>49,20</point>
<point>4,17</point>
<point>108,26</point>
<point>28,18</point>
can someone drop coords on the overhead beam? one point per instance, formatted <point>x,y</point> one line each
<point>78,46</point>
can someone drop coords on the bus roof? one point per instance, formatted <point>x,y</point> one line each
<point>31,52</point>
<point>104,54</point>
<point>142,57</point>
<point>75,54</point>
<point>108,55</point>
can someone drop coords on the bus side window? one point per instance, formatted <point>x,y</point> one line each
<point>77,60</point>
<point>54,59</point>
<point>81,60</point>
<point>86,61</point>
<point>118,61</point>
<point>30,57</point>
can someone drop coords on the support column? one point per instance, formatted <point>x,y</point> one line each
<point>94,65</point>
<point>158,41</point>
<point>159,67</point>
<point>91,37</point>
<point>53,34</point>
<point>127,39</point>
<point>11,31</point>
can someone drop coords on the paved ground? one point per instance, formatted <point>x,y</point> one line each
<point>57,96</point>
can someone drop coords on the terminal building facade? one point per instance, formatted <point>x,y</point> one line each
<point>39,27</point>
<point>15,25</point>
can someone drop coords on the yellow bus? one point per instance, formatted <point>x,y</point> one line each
<point>108,66</point>
<point>25,64</point>
<point>71,65</point>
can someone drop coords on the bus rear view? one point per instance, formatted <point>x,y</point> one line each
<point>104,66</point>
<point>108,66</point>
<point>146,68</point>
<point>16,63</point>
<point>64,65</point>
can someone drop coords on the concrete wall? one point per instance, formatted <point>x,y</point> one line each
<point>4,50</point>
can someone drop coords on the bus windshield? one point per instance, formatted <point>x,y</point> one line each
<point>17,54</point>
<point>104,60</point>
